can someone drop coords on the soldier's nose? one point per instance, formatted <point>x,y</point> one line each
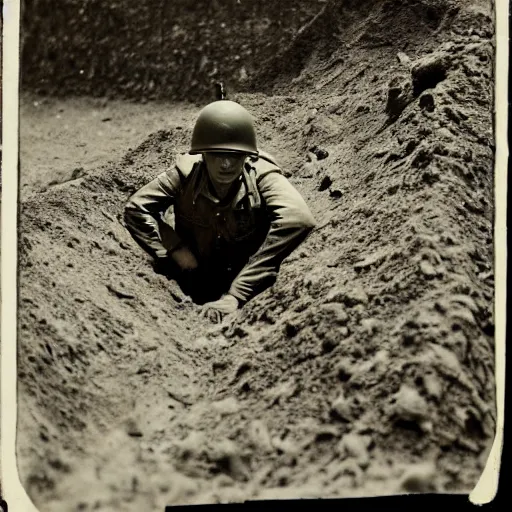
<point>225,163</point>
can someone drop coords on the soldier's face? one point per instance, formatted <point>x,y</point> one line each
<point>224,168</point>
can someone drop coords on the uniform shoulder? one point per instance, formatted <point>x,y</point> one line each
<point>264,164</point>
<point>185,163</point>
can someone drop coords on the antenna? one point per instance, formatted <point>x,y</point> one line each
<point>220,91</point>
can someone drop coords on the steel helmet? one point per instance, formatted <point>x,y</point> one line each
<point>224,126</point>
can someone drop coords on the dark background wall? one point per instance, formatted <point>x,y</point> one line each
<point>147,49</point>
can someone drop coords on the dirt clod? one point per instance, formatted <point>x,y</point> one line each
<point>349,297</point>
<point>335,312</point>
<point>410,406</point>
<point>420,478</point>
<point>341,409</point>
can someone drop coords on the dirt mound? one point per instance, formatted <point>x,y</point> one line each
<point>316,55</point>
<point>367,369</point>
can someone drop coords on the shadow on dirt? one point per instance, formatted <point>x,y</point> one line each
<point>200,285</point>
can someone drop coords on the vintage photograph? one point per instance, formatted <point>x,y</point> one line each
<point>256,250</point>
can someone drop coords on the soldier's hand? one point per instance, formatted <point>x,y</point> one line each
<point>216,311</point>
<point>184,258</point>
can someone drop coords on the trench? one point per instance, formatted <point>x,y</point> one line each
<point>370,361</point>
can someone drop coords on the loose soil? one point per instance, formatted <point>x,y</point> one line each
<point>368,369</point>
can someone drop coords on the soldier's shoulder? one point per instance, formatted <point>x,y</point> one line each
<point>185,163</point>
<point>264,164</point>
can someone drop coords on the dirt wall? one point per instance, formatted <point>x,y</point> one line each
<point>152,48</point>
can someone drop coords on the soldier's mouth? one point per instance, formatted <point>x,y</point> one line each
<point>227,174</point>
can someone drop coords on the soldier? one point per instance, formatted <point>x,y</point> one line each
<point>236,217</point>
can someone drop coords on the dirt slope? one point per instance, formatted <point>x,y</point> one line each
<point>367,369</point>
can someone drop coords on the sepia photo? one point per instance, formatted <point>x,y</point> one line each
<point>256,251</point>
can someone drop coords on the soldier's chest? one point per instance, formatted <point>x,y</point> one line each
<point>207,217</point>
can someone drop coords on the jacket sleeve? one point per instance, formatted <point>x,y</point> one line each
<point>290,223</point>
<point>143,210</point>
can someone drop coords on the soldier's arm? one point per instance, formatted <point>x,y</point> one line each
<point>291,223</point>
<point>143,211</point>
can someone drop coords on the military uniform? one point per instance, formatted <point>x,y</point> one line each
<point>239,242</point>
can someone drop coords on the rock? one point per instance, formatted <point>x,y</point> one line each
<point>354,446</point>
<point>445,133</point>
<point>335,193</point>
<point>411,406</point>
<point>311,115</point>
<point>427,269</point>
<point>320,153</point>
<point>227,406</point>
<point>335,311</point>
<point>420,478</point>
<point>403,59</point>
<point>341,408</point>
<point>433,385</point>
<point>260,436</point>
